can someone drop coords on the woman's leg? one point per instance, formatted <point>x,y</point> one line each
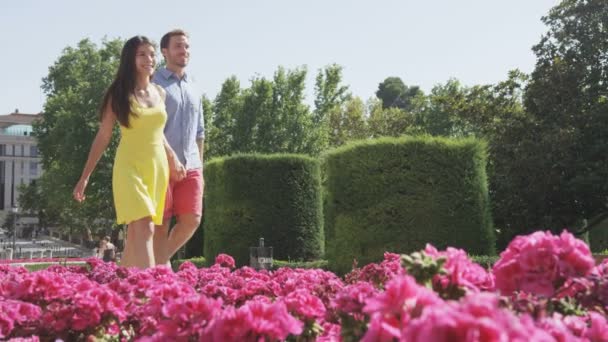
<point>127,255</point>
<point>139,251</point>
<point>126,260</point>
<point>161,244</point>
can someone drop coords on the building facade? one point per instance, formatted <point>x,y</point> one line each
<point>19,157</point>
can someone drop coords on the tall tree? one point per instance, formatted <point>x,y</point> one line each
<point>268,117</point>
<point>456,110</point>
<point>330,96</point>
<point>347,122</point>
<point>74,87</point>
<point>568,98</point>
<point>220,133</point>
<point>329,91</point>
<point>441,116</point>
<point>395,94</point>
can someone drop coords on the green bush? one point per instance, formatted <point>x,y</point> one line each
<point>322,264</point>
<point>397,194</point>
<point>275,197</point>
<point>486,261</point>
<point>598,237</point>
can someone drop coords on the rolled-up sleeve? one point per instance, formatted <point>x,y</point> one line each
<point>200,130</point>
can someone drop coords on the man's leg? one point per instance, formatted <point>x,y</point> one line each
<point>182,231</point>
<point>188,207</point>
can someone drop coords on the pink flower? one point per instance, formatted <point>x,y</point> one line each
<point>25,339</point>
<point>14,313</point>
<point>304,305</point>
<point>252,322</point>
<point>220,304</point>
<point>352,298</point>
<point>556,327</point>
<point>272,321</point>
<point>402,295</point>
<point>541,262</point>
<point>91,304</point>
<point>230,325</point>
<point>577,325</point>
<point>385,329</point>
<point>378,274</point>
<point>187,317</point>
<point>475,318</point>
<point>188,273</point>
<point>42,286</point>
<point>599,328</point>
<point>225,260</point>
<point>601,269</point>
<point>461,271</point>
<point>331,333</point>
<point>393,309</point>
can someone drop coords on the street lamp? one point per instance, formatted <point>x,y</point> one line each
<point>14,211</point>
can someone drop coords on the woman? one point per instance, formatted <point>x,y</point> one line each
<point>107,250</point>
<point>143,158</point>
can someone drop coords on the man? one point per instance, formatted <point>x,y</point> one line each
<point>184,131</point>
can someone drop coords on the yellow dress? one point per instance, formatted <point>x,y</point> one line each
<point>141,172</point>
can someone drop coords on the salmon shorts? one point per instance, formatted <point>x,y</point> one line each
<point>185,196</point>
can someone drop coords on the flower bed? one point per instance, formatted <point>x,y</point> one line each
<point>542,288</point>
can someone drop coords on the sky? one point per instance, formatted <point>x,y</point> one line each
<point>424,42</point>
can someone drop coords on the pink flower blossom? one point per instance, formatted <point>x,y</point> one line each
<point>391,310</point>
<point>15,313</point>
<point>461,271</point>
<point>225,260</point>
<point>304,305</point>
<point>598,331</point>
<point>541,262</point>
<point>476,318</point>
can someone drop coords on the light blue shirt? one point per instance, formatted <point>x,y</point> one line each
<point>184,117</point>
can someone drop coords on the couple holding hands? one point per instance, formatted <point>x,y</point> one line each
<point>157,172</point>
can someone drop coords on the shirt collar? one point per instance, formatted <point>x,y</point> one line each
<point>166,73</point>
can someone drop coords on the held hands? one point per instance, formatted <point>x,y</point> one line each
<point>78,192</point>
<point>177,171</point>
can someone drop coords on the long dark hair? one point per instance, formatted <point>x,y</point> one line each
<point>123,85</point>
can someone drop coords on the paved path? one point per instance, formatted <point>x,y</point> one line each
<point>43,247</point>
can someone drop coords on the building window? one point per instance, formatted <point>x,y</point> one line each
<point>2,150</point>
<point>33,150</point>
<point>33,169</point>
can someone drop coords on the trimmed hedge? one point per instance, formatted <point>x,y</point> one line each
<point>314,264</point>
<point>397,194</point>
<point>486,261</point>
<point>277,197</point>
<point>598,237</point>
